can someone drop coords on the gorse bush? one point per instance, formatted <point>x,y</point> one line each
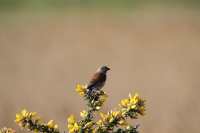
<point>114,121</point>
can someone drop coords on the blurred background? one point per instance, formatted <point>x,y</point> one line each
<point>152,47</point>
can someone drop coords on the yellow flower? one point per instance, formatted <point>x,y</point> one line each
<point>111,119</point>
<point>128,127</point>
<point>89,124</point>
<point>33,114</point>
<point>99,122</point>
<point>123,122</point>
<point>134,99</point>
<point>142,110</point>
<point>7,130</point>
<point>83,114</point>
<point>103,116</point>
<point>50,124</point>
<point>72,124</point>
<point>24,113</point>
<point>98,107</point>
<point>19,118</point>
<point>55,126</point>
<point>124,102</point>
<point>81,89</point>
<point>116,113</point>
<point>71,119</point>
<point>74,128</point>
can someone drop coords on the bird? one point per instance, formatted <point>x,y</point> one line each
<point>98,79</point>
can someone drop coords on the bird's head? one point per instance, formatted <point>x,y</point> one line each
<point>103,69</point>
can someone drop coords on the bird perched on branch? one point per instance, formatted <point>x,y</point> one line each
<point>98,79</point>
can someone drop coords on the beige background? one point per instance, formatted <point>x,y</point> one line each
<point>154,52</point>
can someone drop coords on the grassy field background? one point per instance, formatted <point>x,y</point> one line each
<point>152,49</point>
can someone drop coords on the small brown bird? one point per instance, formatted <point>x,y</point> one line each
<point>98,79</point>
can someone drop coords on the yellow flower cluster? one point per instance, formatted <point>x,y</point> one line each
<point>75,127</point>
<point>32,122</point>
<point>88,126</point>
<point>130,107</point>
<point>112,117</point>
<point>24,114</point>
<point>81,89</point>
<point>72,124</point>
<point>7,130</point>
<point>133,104</point>
<point>84,114</point>
<point>51,124</point>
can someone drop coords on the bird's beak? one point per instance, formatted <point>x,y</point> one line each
<point>108,68</point>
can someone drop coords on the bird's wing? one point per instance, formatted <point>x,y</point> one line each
<point>96,79</point>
